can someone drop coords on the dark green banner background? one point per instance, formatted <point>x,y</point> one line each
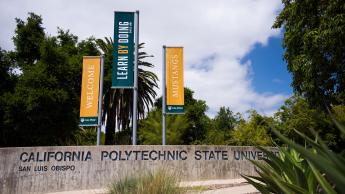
<point>175,109</point>
<point>88,121</point>
<point>123,60</point>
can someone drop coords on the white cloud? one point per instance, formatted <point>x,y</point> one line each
<point>216,34</point>
<point>229,83</point>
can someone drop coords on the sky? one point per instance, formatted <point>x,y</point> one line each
<point>232,56</point>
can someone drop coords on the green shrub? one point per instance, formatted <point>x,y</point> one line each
<point>148,183</point>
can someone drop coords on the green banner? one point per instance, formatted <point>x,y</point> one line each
<point>88,121</point>
<point>175,109</point>
<point>123,53</point>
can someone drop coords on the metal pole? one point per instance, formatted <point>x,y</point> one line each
<point>100,98</point>
<point>164,98</point>
<point>135,88</point>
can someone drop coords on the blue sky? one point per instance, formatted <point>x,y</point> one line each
<point>270,72</point>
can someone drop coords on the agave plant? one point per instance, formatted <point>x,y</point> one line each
<point>300,169</point>
<point>286,173</point>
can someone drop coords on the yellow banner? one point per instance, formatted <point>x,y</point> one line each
<point>174,74</point>
<point>90,86</point>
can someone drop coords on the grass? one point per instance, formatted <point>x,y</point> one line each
<point>162,181</point>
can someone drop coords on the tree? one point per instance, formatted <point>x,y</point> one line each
<point>222,125</point>
<point>314,43</point>
<point>118,104</point>
<point>85,136</point>
<point>7,77</point>
<point>27,40</point>
<point>191,127</point>
<point>217,137</point>
<point>297,114</point>
<point>7,84</point>
<point>199,122</point>
<point>225,119</point>
<point>255,132</point>
<point>150,132</point>
<point>43,107</point>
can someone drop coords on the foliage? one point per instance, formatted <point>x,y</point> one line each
<point>148,183</point>
<point>7,77</point>
<point>297,114</point>
<point>28,40</point>
<point>42,100</point>
<point>252,133</point>
<point>225,119</point>
<point>300,169</point>
<point>338,113</point>
<point>314,48</point>
<point>150,132</point>
<point>123,137</point>
<point>118,103</point>
<point>286,173</point>
<point>85,136</point>
<point>198,121</point>
<point>217,137</point>
<point>7,83</point>
<point>222,126</point>
<point>44,103</point>
<point>190,127</point>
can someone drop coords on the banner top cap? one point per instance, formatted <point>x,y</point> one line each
<point>91,57</point>
<point>124,11</point>
<point>172,46</point>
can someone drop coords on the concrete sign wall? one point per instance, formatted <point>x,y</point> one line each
<point>48,169</point>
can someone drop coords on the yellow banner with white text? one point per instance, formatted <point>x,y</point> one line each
<point>90,90</point>
<point>174,74</point>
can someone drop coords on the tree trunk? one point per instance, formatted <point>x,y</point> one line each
<point>110,126</point>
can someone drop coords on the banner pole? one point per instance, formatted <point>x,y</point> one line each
<point>164,97</point>
<point>100,102</point>
<point>135,88</point>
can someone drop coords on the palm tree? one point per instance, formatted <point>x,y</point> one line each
<point>151,128</point>
<point>118,103</point>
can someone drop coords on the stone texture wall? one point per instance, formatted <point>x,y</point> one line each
<point>49,169</point>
